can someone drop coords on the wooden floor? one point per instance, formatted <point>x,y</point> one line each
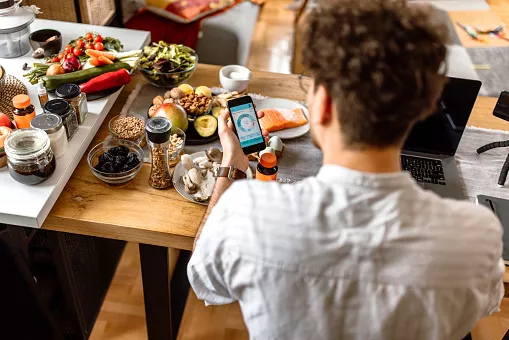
<point>122,316</point>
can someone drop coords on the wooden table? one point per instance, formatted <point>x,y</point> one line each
<point>161,219</point>
<point>158,220</point>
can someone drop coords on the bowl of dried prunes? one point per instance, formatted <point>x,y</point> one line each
<point>115,161</point>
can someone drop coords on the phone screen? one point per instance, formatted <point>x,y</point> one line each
<point>246,123</point>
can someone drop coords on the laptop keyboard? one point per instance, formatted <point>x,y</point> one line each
<point>424,169</point>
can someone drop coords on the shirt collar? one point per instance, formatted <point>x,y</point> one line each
<point>339,174</point>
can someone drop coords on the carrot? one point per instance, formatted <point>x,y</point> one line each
<point>97,54</point>
<point>104,60</point>
<point>95,62</point>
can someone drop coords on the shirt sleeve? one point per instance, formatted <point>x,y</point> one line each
<point>209,266</point>
<point>497,288</point>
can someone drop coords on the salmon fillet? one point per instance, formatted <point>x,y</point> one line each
<point>281,119</point>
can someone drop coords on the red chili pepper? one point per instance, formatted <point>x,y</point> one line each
<point>106,81</point>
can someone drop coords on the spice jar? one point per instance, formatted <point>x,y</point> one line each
<point>29,156</point>
<point>23,112</point>
<point>267,168</point>
<point>73,95</point>
<point>53,126</point>
<point>158,137</point>
<point>62,108</point>
<point>43,95</point>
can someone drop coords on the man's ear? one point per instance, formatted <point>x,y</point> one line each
<point>322,102</point>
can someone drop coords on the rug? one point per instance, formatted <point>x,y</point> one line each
<point>480,173</point>
<point>495,79</point>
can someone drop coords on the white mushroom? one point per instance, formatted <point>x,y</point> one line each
<point>195,176</point>
<point>189,186</point>
<point>187,162</point>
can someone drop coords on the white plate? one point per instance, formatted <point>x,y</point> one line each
<point>179,184</point>
<point>276,103</point>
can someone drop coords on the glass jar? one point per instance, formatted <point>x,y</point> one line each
<point>158,138</point>
<point>23,112</point>
<point>29,156</point>
<point>53,126</point>
<point>62,108</point>
<point>73,95</point>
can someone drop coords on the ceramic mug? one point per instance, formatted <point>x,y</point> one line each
<point>235,77</point>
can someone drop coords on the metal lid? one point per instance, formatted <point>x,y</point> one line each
<point>68,91</point>
<point>16,21</point>
<point>158,129</point>
<point>49,122</point>
<point>24,144</point>
<point>57,106</point>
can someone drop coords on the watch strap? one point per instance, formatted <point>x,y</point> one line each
<point>231,173</point>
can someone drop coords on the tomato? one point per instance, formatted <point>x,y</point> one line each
<point>55,60</point>
<point>77,52</point>
<point>89,46</point>
<point>89,36</point>
<point>98,39</point>
<point>99,46</point>
<point>69,56</point>
<point>80,43</point>
<point>68,49</point>
<point>61,56</point>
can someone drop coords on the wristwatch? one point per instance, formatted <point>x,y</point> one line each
<point>232,173</point>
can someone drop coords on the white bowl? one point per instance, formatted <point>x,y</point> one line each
<point>235,78</point>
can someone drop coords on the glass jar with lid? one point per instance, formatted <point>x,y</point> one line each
<point>63,109</point>
<point>29,156</point>
<point>53,126</point>
<point>73,95</point>
<point>158,136</point>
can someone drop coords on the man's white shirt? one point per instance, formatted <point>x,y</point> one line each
<point>350,255</point>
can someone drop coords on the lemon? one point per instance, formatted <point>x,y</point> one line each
<point>204,91</point>
<point>186,88</point>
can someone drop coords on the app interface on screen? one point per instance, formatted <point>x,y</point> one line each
<point>245,120</point>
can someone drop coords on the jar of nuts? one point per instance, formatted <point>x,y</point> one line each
<point>195,104</point>
<point>158,136</point>
<point>130,127</point>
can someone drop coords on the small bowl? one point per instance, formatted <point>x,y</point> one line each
<point>118,178</point>
<point>230,83</point>
<point>39,39</point>
<point>168,80</point>
<point>174,153</point>
<point>192,116</point>
<point>139,140</point>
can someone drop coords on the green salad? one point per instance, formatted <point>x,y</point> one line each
<point>168,58</point>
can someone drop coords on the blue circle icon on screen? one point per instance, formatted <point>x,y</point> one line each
<point>246,123</point>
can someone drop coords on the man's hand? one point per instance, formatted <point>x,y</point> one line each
<point>232,151</point>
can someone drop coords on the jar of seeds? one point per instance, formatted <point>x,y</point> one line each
<point>158,138</point>
<point>63,109</point>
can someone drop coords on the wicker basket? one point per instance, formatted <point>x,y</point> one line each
<point>94,12</point>
<point>10,86</point>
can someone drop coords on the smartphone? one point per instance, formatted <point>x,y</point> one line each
<point>502,108</point>
<point>246,124</point>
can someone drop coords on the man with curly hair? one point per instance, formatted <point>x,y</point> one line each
<point>359,251</point>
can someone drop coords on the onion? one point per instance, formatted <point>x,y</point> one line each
<point>71,64</point>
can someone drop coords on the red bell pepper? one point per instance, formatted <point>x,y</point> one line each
<point>106,81</point>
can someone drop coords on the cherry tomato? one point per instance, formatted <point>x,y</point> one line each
<point>98,39</point>
<point>69,56</point>
<point>89,36</point>
<point>99,46</point>
<point>55,60</point>
<point>61,56</point>
<point>80,43</point>
<point>89,46</point>
<point>68,49</point>
<point>77,52</point>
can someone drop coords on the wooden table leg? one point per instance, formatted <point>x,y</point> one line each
<point>156,291</point>
<point>163,271</point>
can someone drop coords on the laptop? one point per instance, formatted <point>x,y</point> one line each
<point>428,153</point>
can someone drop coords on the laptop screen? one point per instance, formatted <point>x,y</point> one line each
<point>441,133</point>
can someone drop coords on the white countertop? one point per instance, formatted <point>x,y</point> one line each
<point>28,206</point>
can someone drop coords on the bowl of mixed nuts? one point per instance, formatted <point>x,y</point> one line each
<point>129,127</point>
<point>195,105</point>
